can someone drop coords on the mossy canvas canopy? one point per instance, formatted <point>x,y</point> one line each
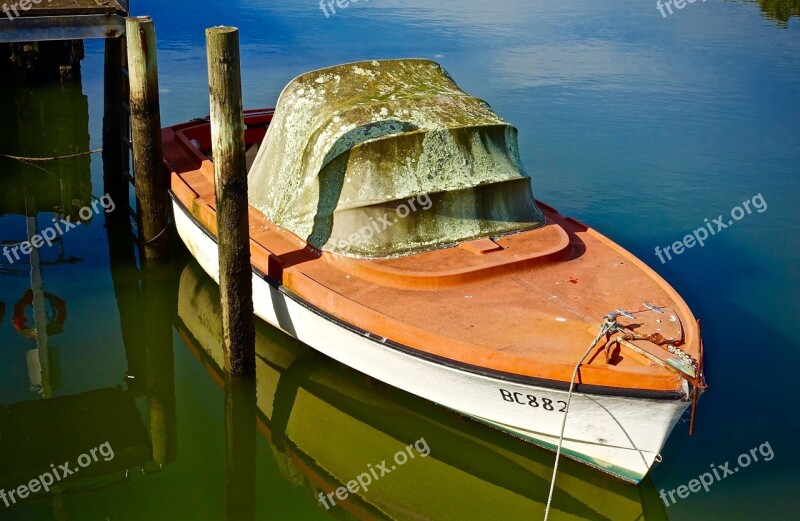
<point>383,158</point>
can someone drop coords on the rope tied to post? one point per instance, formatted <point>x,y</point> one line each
<point>32,163</point>
<point>52,158</point>
<point>154,239</point>
<point>609,326</point>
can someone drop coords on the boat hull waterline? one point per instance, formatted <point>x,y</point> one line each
<point>620,435</point>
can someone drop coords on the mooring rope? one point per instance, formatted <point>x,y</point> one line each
<point>53,158</point>
<point>608,325</point>
<point>154,239</point>
<point>32,163</point>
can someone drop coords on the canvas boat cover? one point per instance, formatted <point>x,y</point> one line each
<point>384,158</point>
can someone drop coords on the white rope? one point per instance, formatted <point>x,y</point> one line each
<point>610,324</point>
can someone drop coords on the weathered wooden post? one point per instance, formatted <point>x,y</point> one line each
<point>230,182</point>
<point>149,174</point>
<point>115,93</point>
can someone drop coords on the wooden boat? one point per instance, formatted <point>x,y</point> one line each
<point>393,229</point>
<point>487,475</point>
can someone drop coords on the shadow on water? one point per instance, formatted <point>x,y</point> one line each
<point>326,423</point>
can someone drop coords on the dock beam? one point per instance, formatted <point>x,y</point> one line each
<point>230,183</point>
<point>62,20</point>
<point>45,38</point>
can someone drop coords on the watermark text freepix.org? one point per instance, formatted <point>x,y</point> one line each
<point>55,474</point>
<point>700,235</point>
<point>381,224</point>
<point>13,11</point>
<point>679,4</point>
<point>60,227</point>
<point>331,4</point>
<point>374,473</point>
<point>718,473</point>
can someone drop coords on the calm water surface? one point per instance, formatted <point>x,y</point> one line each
<point>639,125</point>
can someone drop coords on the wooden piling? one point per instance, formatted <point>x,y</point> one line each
<point>230,183</point>
<point>114,146</point>
<point>150,176</point>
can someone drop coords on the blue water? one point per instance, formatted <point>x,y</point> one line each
<point>638,125</point>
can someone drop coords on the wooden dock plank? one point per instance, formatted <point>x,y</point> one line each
<point>71,8</point>
<point>62,20</point>
<point>44,28</point>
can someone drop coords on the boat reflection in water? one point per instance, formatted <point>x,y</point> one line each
<point>326,423</point>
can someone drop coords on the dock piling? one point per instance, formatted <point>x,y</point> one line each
<point>230,183</point>
<point>115,148</point>
<point>149,174</point>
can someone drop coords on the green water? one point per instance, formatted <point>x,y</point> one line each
<point>640,125</point>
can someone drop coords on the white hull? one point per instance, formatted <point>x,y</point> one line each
<point>620,435</point>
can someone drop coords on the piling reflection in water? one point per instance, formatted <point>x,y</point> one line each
<point>146,303</point>
<point>159,308</point>
<point>240,448</point>
<point>326,423</point>
<point>40,433</point>
<point>43,120</point>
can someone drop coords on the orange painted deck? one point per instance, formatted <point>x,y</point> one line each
<point>526,304</point>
